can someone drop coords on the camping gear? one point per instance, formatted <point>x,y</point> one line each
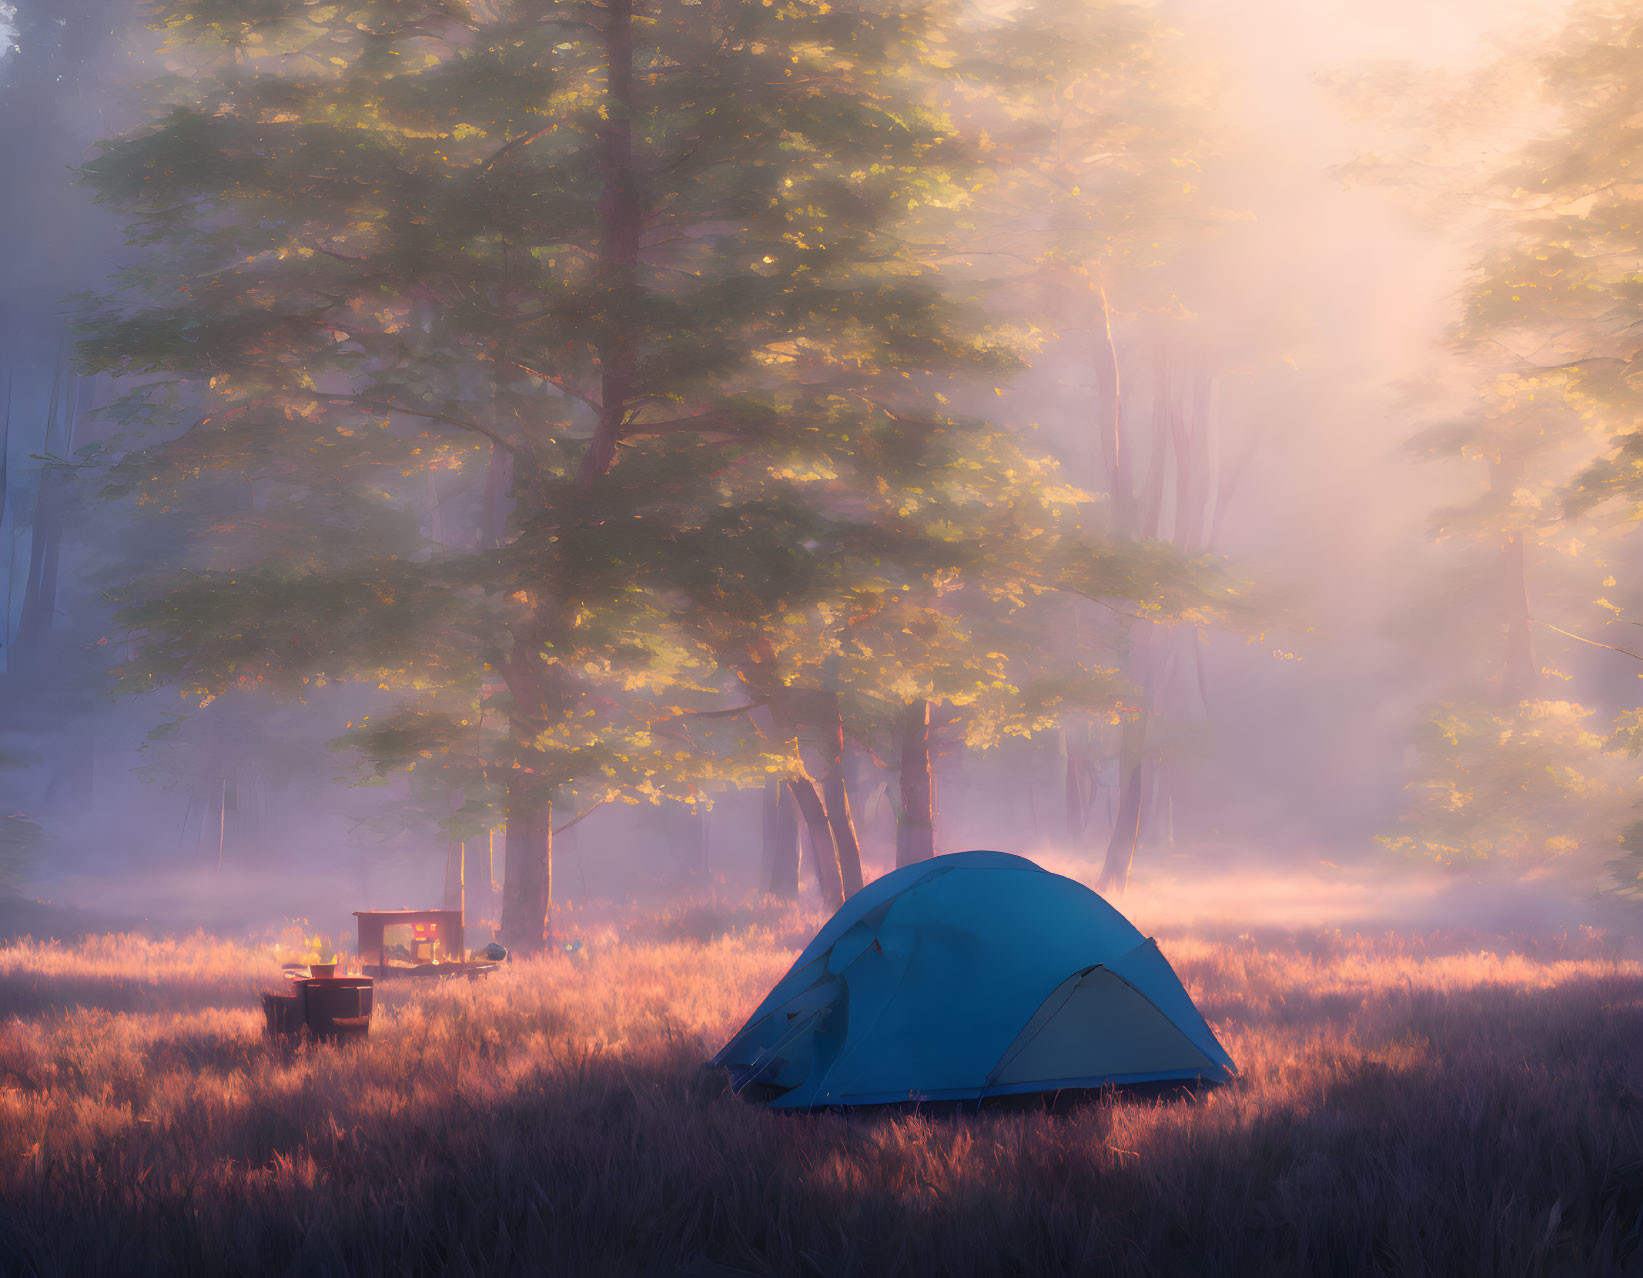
<point>330,1007</point>
<point>395,943</point>
<point>969,976</point>
<point>338,1006</point>
<point>402,941</point>
<point>283,1012</point>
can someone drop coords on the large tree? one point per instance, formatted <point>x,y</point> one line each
<point>408,255</point>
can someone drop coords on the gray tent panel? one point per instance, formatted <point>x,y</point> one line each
<point>1097,1024</point>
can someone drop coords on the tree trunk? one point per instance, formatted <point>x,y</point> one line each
<point>1132,736</point>
<point>5,454</point>
<point>1115,452</point>
<point>1132,759</point>
<point>46,531</point>
<point>539,695</point>
<point>916,820</point>
<point>780,869</point>
<point>1518,675</point>
<point>828,878</point>
<point>1126,829</point>
<point>1149,502</point>
<point>527,881</point>
<point>836,798</point>
<point>788,869</point>
<point>40,594</point>
<point>493,518</point>
<point>619,216</point>
<point>1074,788</point>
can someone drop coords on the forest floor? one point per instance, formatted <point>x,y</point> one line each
<point>1409,1104</point>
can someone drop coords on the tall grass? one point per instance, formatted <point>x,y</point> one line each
<point>1408,1106</point>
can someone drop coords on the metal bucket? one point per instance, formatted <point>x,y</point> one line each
<point>338,1007</point>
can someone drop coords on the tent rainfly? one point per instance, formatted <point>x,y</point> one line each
<point>967,976</point>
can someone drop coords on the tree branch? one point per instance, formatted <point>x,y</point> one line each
<point>579,817</point>
<point>341,257</point>
<point>496,437</point>
<point>728,713</point>
<point>553,379</point>
<point>715,421</point>
<point>509,147</point>
<point>1625,652</point>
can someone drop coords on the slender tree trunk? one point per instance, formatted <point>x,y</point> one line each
<point>916,819</point>
<point>619,251</point>
<point>1132,736</point>
<point>1115,450</point>
<point>811,808</point>
<point>1149,501</point>
<point>1126,829</point>
<point>1132,790</point>
<point>1518,675</point>
<point>40,594</point>
<point>836,799</point>
<point>788,870</point>
<point>1074,795</point>
<point>493,525</point>
<point>46,532</point>
<point>5,451</point>
<point>780,869</point>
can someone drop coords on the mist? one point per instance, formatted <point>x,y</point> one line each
<point>761,637</point>
<point>1298,308</point>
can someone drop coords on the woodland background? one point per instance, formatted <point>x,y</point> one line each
<point>795,437</point>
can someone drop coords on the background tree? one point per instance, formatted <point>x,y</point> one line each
<point>625,249</point>
<point>51,675</point>
<point>1099,128</point>
<point>1538,430</point>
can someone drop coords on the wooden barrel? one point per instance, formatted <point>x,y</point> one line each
<point>283,1012</point>
<point>338,1007</point>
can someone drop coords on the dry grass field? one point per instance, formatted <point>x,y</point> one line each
<point>1408,1105</point>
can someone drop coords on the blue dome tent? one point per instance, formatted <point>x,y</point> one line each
<point>969,976</point>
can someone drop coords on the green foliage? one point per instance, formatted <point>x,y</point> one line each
<point>1627,869</point>
<point>1540,397</point>
<point>377,252</point>
<point>568,373</point>
<point>1532,784</point>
